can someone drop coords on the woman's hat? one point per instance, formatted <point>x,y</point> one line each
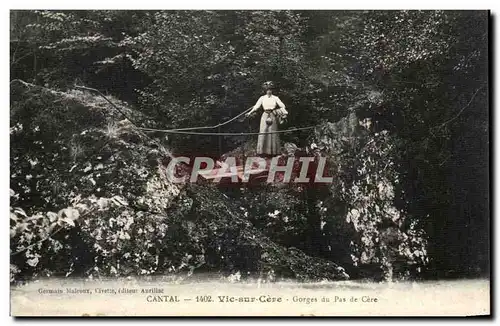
<point>268,85</point>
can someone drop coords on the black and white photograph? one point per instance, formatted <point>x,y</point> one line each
<point>249,163</point>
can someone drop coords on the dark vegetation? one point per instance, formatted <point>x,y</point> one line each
<point>400,100</point>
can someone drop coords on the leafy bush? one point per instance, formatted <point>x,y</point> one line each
<point>43,244</point>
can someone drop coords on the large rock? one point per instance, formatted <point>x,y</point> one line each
<point>232,244</point>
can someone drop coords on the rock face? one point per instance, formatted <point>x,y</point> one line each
<point>75,144</point>
<point>231,243</point>
<point>86,186</point>
<point>89,197</point>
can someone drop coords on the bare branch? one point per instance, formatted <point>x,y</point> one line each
<point>461,110</point>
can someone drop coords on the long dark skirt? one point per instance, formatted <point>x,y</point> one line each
<point>268,144</point>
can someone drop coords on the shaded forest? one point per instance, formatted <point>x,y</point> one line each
<point>400,104</point>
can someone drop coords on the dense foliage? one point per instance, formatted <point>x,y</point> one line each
<point>401,107</point>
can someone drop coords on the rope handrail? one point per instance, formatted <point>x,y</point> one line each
<point>185,131</point>
<point>215,126</point>
<point>175,131</point>
<point>180,129</point>
<point>104,97</point>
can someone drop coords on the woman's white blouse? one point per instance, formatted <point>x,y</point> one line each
<point>269,103</point>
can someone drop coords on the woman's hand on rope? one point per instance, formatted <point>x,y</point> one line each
<point>250,113</point>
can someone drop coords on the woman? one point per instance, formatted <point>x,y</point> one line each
<point>274,112</point>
